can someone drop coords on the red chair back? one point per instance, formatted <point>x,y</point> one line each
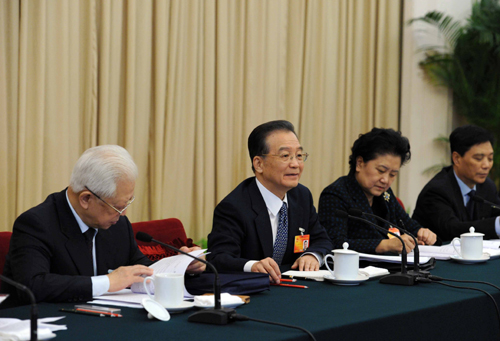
<point>169,231</point>
<point>4,248</point>
<point>164,230</point>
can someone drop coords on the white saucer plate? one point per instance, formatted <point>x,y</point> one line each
<point>459,259</point>
<point>155,309</point>
<point>185,305</point>
<point>231,305</point>
<point>361,278</point>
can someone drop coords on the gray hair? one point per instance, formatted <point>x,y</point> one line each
<point>100,168</point>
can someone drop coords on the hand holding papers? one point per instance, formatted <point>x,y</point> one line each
<point>175,264</point>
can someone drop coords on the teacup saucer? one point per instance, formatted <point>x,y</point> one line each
<point>185,305</point>
<point>459,259</point>
<point>155,309</point>
<point>361,278</point>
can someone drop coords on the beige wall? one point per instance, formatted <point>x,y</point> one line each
<point>426,110</point>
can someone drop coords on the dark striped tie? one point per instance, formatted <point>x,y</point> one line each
<point>281,236</point>
<point>470,204</point>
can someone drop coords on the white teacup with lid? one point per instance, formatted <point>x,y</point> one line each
<point>471,245</point>
<point>346,263</point>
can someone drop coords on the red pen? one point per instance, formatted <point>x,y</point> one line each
<point>287,280</point>
<point>290,285</point>
<point>99,312</point>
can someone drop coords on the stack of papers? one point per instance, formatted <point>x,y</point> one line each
<point>392,259</point>
<point>15,329</point>
<point>319,275</point>
<point>444,252</point>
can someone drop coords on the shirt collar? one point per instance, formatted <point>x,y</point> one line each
<point>463,187</point>
<point>79,220</point>
<point>273,203</point>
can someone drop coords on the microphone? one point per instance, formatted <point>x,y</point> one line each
<point>215,315</point>
<point>34,310</point>
<point>416,264</point>
<point>399,278</point>
<point>480,200</point>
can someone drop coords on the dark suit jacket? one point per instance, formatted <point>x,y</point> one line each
<point>440,207</point>
<point>344,194</point>
<point>242,229</point>
<point>48,252</point>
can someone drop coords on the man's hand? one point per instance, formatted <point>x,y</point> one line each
<point>125,276</point>
<point>426,237</point>
<point>194,267</point>
<point>268,266</point>
<point>306,263</point>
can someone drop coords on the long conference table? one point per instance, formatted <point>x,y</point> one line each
<point>369,311</point>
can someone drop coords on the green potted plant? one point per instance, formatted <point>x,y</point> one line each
<point>469,65</point>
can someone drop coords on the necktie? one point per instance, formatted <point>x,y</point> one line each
<point>89,238</point>
<point>470,204</point>
<point>281,236</point>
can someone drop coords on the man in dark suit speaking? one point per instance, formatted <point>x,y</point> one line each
<point>445,205</point>
<point>269,220</point>
<point>63,248</point>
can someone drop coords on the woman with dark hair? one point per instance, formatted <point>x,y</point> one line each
<point>374,164</point>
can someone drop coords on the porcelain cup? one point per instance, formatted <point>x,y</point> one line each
<point>168,289</point>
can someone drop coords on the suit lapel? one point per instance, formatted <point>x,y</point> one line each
<point>295,217</point>
<point>75,245</point>
<point>262,221</point>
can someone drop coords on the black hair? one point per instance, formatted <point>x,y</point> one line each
<point>257,140</point>
<point>377,142</point>
<point>463,138</point>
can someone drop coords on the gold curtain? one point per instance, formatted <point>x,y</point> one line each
<point>181,84</point>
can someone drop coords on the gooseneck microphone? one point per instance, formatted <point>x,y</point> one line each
<point>215,315</point>
<point>416,264</point>
<point>399,278</point>
<point>480,200</point>
<point>34,309</point>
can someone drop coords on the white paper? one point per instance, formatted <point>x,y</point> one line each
<point>15,329</point>
<point>318,276</point>
<point>3,297</point>
<point>175,264</point>
<point>391,259</point>
<point>117,304</point>
<point>373,271</point>
<point>444,252</point>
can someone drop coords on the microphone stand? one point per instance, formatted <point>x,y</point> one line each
<point>215,315</point>
<point>481,200</point>
<point>416,264</point>
<point>399,278</point>
<point>34,309</point>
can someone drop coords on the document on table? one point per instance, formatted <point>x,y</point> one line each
<point>15,329</point>
<point>175,264</point>
<point>319,276</point>
<point>445,252</point>
<point>390,259</point>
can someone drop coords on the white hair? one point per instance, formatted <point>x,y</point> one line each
<point>100,168</point>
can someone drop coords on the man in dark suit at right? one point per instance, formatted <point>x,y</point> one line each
<point>445,205</point>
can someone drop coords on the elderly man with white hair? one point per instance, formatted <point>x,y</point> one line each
<point>78,243</point>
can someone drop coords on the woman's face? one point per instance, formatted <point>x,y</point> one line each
<point>376,176</point>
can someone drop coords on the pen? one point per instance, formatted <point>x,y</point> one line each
<point>99,312</point>
<point>287,280</point>
<point>92,313</point>
<point>290,285</point>
<point>81,312</point>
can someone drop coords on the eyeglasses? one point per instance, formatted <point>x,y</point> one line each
<point>117,210</point>
<point>287,157</point>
